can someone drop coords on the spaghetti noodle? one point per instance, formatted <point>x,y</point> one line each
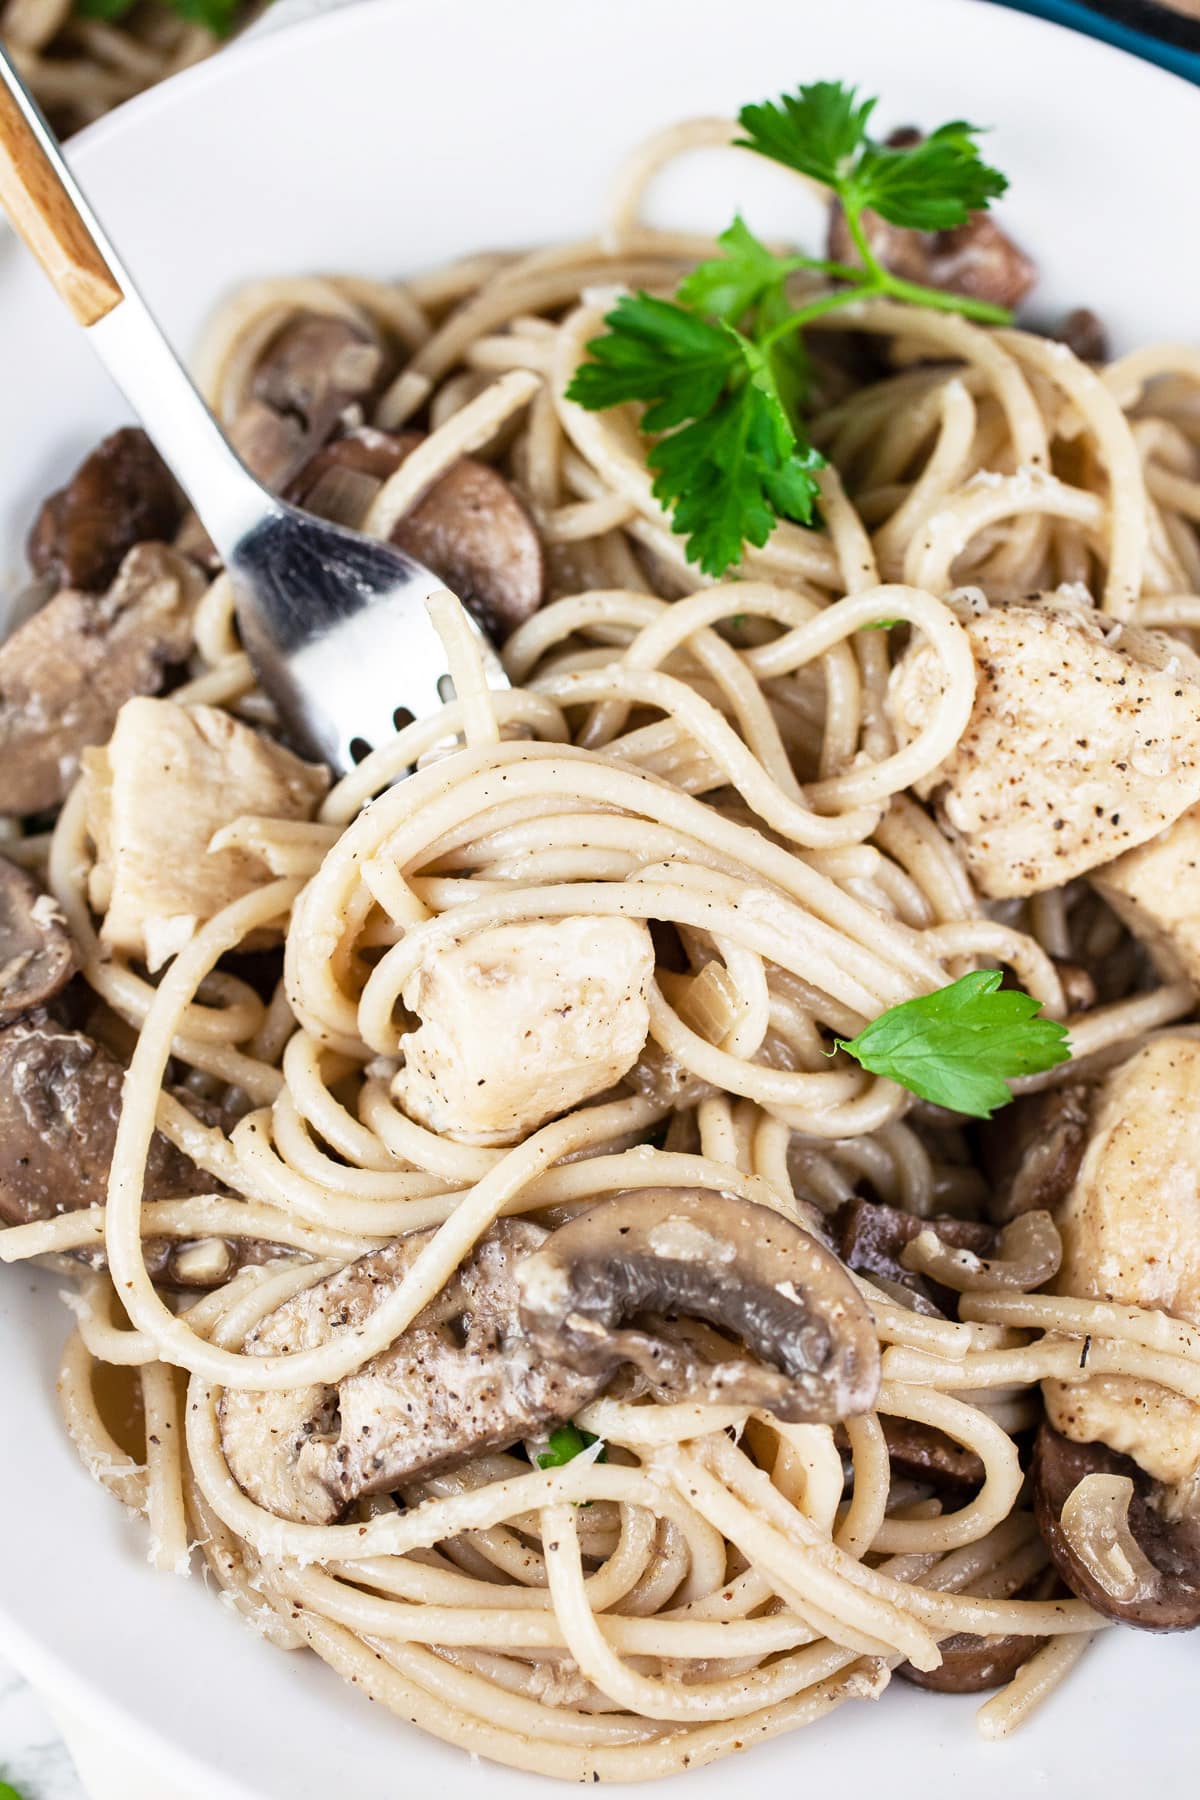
<point>719,759</point>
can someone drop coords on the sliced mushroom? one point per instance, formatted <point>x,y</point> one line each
<point>60,1099</point>
<point>37,953</point>
<point>65,673</point>
<point>1032,1151</point>
<point>460,1380</point>
<point>922,1453</point>
<point>691,1251</point>
<point>871,1238</point>
<point>976,259</point>
<point>1026,1254</point>
<point>970,1664</point>
<point>1142,1569</point>
<point>470,528</point>
<point>1085,333</point>
<point>121,495</point>
<point>310,377</point>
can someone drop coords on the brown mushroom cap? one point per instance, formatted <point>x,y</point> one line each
<point>459,1381</point>
<point>37,953</point>
<point>311,373</point>
<point>814,1356</point>
<point>60,1099</point>
<point>1032,1151</point>
<point>1167,1595</point>
<point>470,527</point>
<point>67,671</point>
<point>121,495</point>
<point>970,1664</point>
<point>1085,333</point>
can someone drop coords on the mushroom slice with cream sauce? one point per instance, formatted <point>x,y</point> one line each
<point>1126,1544</point>
<point>813,1354</point>
<point>60,1099</point>
<point>314,374</point>
<point>37,953</point>
<point>460,1380</point>
<point>67,671</point>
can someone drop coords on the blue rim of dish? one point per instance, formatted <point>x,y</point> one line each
<point>1156,33</point>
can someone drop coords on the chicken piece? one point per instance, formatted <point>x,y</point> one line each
<point>65,672</point>
<point>1083,742</point>
<point>521,1022</point>
<point>1155,890</point>
<point>460,1380</point>
<point>156,794</point>
<point>1131,1234</point>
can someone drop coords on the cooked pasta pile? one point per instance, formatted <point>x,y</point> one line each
<point>717,758</point>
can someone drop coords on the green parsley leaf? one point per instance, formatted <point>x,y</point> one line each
<point>729,285</point>
<point>659,353</point>
<point>730,475</point>
<point>818,130</point>
<point>8,1792</point>
<point>931,186</point>
<point>821,130</point>
<point>737,465</point>
<point>217,16</point>
<point>961,1046</point>
<point>566,1443</point>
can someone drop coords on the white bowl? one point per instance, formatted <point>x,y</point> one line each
<point>381,139</point>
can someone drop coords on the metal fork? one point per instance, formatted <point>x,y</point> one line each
<point>334,623</point>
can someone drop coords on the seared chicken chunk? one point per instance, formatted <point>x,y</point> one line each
<point>1084,741</point>
<point>459,1381</point>
<point>1131,1233</point>
<point>168,780</point>
<point>1155,889</point>
<point>521,1022</point>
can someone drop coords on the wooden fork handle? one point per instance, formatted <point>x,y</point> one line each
<point>37,194</point>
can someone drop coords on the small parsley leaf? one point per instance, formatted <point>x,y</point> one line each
<point>931,186</point>
<point>8,1792</point>
<point>727,286</point>
<point>566,1443</point>
<point>659,353</point>
<point>821,130</point>
<point>729,476</point>
<point>817,130</point>
<point>961,1046</point>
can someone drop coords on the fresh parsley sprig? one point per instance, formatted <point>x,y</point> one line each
<point>962,1045</point>
<point>721,368</point>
